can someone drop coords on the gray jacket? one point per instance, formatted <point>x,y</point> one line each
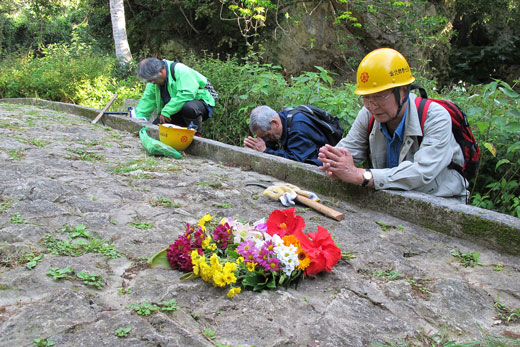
<point>423,167</point>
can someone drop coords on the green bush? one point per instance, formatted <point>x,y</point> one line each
<point>67,73</point>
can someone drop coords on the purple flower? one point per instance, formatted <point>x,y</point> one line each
<point>251,256</point>
<point>273,265</point>
<point>261,227</point>
<point>245,247</point>
<point>222,235</point>
<point>198,237</point>
<point>263,258</point>
<point>179,254</point>
<point>268,247</point>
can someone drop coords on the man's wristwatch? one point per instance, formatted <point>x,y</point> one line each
<point>367,176</point>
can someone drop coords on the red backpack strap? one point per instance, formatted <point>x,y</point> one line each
<point>371,124</point>
<point>422,105</point>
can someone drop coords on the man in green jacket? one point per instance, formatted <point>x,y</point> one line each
<point>181,95</point>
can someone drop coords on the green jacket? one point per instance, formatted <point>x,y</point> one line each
<point>188,85</point>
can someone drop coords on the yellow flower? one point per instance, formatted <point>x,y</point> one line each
<point>251,266</point>
<point>206,273</point>
<point>304,259</point>
<point>215,263</point>
<point>208,245</point>
<point>229,276</point>
<point>202,222</point>
<point>239,260</point>
<point>233,291</point>
<point>218,279</point>
<point>195,260</point>
<point>230,266</point>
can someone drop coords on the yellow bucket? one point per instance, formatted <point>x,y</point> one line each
<point>175,136</point>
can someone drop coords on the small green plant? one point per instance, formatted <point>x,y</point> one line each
<point>116,135</point>
<point>16,154</point>
<point>92,279</point>
<point>164,202</point>
<point>385,226</point>
<point>505,314</point>
<point>146,309</point>
<point>256,197</point>
<point>123,332</point>
<point>32,260</point>
<point>85,155</point>
<point>17,219</point>
<point>79,231</point>
<point>5,204</point>
<point>169,306</point>
<point>43,343</point>
<point>225,205</point>
<point>67,248</point>
<point>498,267</point>
<point>59,274</point>
<point>123,291</point>
<point>388,275</point>
<point>142,225</point>
<point>467,259</point>
<point>210,334</point>
<point>38,143</point>
<point>210,184</point>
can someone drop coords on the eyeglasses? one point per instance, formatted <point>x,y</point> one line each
<point>375,100</point>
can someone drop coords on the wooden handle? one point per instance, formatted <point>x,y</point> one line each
<point>106,108</point>
<point>327,211</point>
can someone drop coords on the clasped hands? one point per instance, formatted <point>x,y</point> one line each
<point>338,163</point>
<point>255,143</point>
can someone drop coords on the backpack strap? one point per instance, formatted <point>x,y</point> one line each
<point>371,123</point>
<point>172,70</point>
<point>422,105</point>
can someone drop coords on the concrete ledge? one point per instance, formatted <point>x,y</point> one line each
<point>492,229</point>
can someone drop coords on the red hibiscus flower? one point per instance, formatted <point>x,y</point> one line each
<point>284,222</point>
<point>322,250</point>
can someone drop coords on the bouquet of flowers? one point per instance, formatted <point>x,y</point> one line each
<point>266,254</point>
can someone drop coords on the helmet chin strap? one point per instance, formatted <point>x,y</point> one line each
<point>397,94</point>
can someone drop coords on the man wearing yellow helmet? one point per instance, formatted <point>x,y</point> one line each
<point>401,155</point>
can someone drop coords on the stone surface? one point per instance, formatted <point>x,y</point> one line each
<point>59,170</point>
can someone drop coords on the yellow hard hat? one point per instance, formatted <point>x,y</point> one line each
<point>177,137</point>
<point>382,69</point>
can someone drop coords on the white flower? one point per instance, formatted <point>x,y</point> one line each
<point>288,257</point>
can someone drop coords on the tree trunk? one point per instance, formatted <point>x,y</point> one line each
<point>117,14</point>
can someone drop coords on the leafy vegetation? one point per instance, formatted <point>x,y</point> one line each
<point>467,259</point>
<point>86,244</point>
<point>123,332</point>
<point>147,309</point>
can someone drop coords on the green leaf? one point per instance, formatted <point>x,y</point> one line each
<point>509,92</point>
<point>160,260</point>
<point>491,148</point>
<point>500,162</point>
<point>482,126</point>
